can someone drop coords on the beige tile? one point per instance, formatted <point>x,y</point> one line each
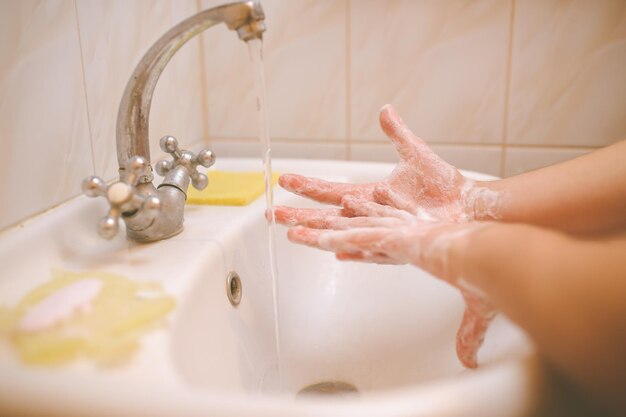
<point>485,159</point>
<point>373,152</point>
<point>43,120</point>
<point>519,160</point>
<point>177,105</point>
<point>232,148</point>
<point>442,64</point>
<point>568,82</point>
<point>309,150</point>
<point>235,149</point>
<point>115,35</point>
<point>304,60</point>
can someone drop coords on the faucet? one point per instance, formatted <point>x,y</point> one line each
<point>155,213</point>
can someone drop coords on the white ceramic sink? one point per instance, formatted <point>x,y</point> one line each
<point>388,331</point>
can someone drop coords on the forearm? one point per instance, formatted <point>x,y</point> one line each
<point>566,293</point>
<point>583,195</point>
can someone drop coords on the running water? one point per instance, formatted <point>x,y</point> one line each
<point>255,49</point>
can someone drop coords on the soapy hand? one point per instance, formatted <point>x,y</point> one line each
<point>422,184</point>
<point>396,239</point>
<point>413,216</point>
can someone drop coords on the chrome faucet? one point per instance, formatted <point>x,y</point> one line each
<point>153,213</point>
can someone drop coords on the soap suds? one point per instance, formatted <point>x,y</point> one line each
<point>481,203</point>
<point>435,255</point>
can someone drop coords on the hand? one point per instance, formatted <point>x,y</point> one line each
<point>422,184</point>
<point>396,239</point>
<point>388,220</point>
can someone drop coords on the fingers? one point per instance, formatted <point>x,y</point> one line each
<point>383,194</point>
<point>407,144</point>
<point>354,240</point>
<point>359,207</point>
<point>342,244</point>
<point>289,216</point>
<point>364,245</point>
<point>469,338</point>
<point>323,191</point>
<point>368,257</point>
<point>329,219</point>
<point>357,240</point>
<point>305,236</point>
<point>437,174</point>
<point>471,334</point>
<point>345,223</point>
<point>402,244</point>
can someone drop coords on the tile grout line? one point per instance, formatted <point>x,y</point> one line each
<point>84,80</point>
<point>348,80</point>
<point>203,86</point>
<point>376,142</point>
<point>507,91</point>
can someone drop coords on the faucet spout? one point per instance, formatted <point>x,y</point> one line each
<point>246,17</point>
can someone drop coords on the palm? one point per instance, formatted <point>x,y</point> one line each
<point>422,183</point>
<point>430,195</point>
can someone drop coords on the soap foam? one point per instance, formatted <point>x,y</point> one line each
<point>481,203</point>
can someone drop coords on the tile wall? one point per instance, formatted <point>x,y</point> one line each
<point>64,65</point>
<point>499,86</point>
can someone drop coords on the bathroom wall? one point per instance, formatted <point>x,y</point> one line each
<point>63,68</point>
<point>493,85</point>
<point>500,86</point>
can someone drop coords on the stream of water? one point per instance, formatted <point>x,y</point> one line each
<point>255,49</point>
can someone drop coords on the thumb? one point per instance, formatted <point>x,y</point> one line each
<point>408,146</point>
<point>413,150</point>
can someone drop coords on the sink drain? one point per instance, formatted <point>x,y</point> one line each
<point>329,388</point>
<point>233,288</point>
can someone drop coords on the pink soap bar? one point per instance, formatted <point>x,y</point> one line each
<point>61,305</point>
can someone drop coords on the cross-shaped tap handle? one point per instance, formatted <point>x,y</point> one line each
<point>122,196</point>
<point>185,159</point>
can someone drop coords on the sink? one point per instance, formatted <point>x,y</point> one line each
<point>386,332</point>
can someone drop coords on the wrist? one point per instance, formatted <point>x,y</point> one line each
<point>483,200</point>
<point>443,248</point>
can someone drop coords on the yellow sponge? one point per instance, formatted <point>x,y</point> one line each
<point>230,188</point>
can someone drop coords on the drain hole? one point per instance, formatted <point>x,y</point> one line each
<point>233,288</point>
<point>329,388</point>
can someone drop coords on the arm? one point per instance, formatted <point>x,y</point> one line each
<point>583,195</point>
<point>568,294</point>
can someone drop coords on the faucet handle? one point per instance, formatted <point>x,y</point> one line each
<point>122,196</point>
<point>185,159</point>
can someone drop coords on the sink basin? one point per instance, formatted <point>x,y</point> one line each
<point>382,336</point>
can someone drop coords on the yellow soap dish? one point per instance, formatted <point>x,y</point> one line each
<point>228,188</point>
<point>55,323</point>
